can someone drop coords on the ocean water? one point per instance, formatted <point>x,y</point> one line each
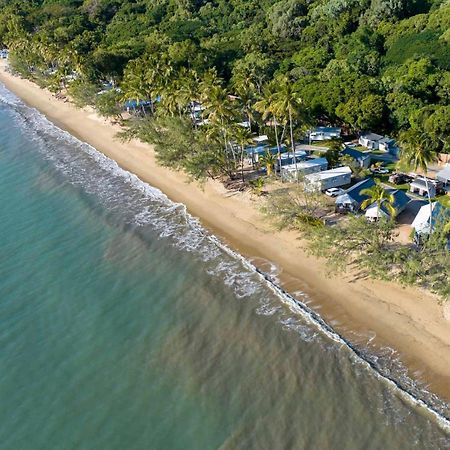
<point>125,325</point>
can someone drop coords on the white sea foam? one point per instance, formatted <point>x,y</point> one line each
<point>144,205</point>
<point>8,98</point>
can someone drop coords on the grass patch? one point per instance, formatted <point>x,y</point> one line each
<point>444,200</point>
<point>400,187</point>
<point>321,143</point>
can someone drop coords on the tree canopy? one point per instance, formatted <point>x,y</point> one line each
<point>364,64</point>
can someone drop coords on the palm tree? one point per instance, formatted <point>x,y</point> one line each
<point>220,113</point>
<point>417,154</point>
<point>245,89</point>
<point>377,194</point>
<point>268,160</point>
<point>189,89</point>
<point>447,227</point>
<point>135,85</point>
<point>267,107</point>
<point>287,103</point>
<point>158,75</point>
<point>243,137</point>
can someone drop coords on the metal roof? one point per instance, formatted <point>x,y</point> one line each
<point>372,136</point>
<point>339,171</point>
<point>353,194</point>
<point>355,154</point>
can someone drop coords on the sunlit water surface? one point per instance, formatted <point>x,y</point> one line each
<point>124,325</point>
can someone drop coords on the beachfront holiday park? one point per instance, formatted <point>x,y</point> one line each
<point>349,151</point>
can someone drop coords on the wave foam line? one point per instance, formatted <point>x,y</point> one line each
<point>315,319</point>
<point>295,305</point>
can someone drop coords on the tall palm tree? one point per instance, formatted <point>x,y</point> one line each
<point>417,154</point>
<point>135,85</point>
<point>267,107</point>
<point>158,75</point>
<point>287,103</point>
<point>245,89</point>
<point>377,194</point>
<point>221,114</point>
<point>189,89</point>
<point>243,137</point>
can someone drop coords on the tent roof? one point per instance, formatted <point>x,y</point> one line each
<point>421,222</point>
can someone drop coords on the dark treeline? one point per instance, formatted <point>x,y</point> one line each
<point>364,64</point>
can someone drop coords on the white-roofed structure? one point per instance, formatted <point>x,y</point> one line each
<point>400,201</point>
<point>421,187</point>
<point>421,222</point>
<point>327,179</point>
<point>289,172</point>
<point>324,133</point>
<point>444,175</point>
<point>261,139</point>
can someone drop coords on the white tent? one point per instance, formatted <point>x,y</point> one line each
<point>421,223</point>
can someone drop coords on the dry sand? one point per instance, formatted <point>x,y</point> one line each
<point>408,320</point>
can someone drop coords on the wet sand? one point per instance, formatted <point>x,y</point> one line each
<point>408,320</point>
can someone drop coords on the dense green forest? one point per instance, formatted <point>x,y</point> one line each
<point>382,65</point>
<point>281,66</point>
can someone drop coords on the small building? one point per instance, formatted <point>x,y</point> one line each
<point>262,139</point>
<point>261,150</point>
<point>400,201</point>
<point>387,145</point>
<point>419,187</point>
<point>374,141</point>
<point>370,140</point>
<point>4,53</point>
<point>291,172</point>
<point>436,213</point>
<point>324,133</point>
<point>444,175</point>
<point>352,199</point>
<point>287,158</point>
<point>327,179</point>
<point>362,158</point>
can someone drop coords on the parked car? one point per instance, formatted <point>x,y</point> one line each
<point>334,192</point>
<point>379,170</point>
<point>399,178</point>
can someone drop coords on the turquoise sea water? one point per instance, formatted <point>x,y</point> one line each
<point>124,325</point>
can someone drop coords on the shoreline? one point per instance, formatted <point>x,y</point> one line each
<point>406,319</point>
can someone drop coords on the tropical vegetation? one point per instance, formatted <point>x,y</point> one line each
<point>362,64</point>
<point>198,79</point>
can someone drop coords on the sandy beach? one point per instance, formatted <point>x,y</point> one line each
<point>408,320</point>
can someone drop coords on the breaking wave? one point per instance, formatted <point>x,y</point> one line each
<point>139,205</point>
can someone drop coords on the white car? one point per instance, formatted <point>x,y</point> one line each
<point>380,170</point>
<point>334,192</point>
